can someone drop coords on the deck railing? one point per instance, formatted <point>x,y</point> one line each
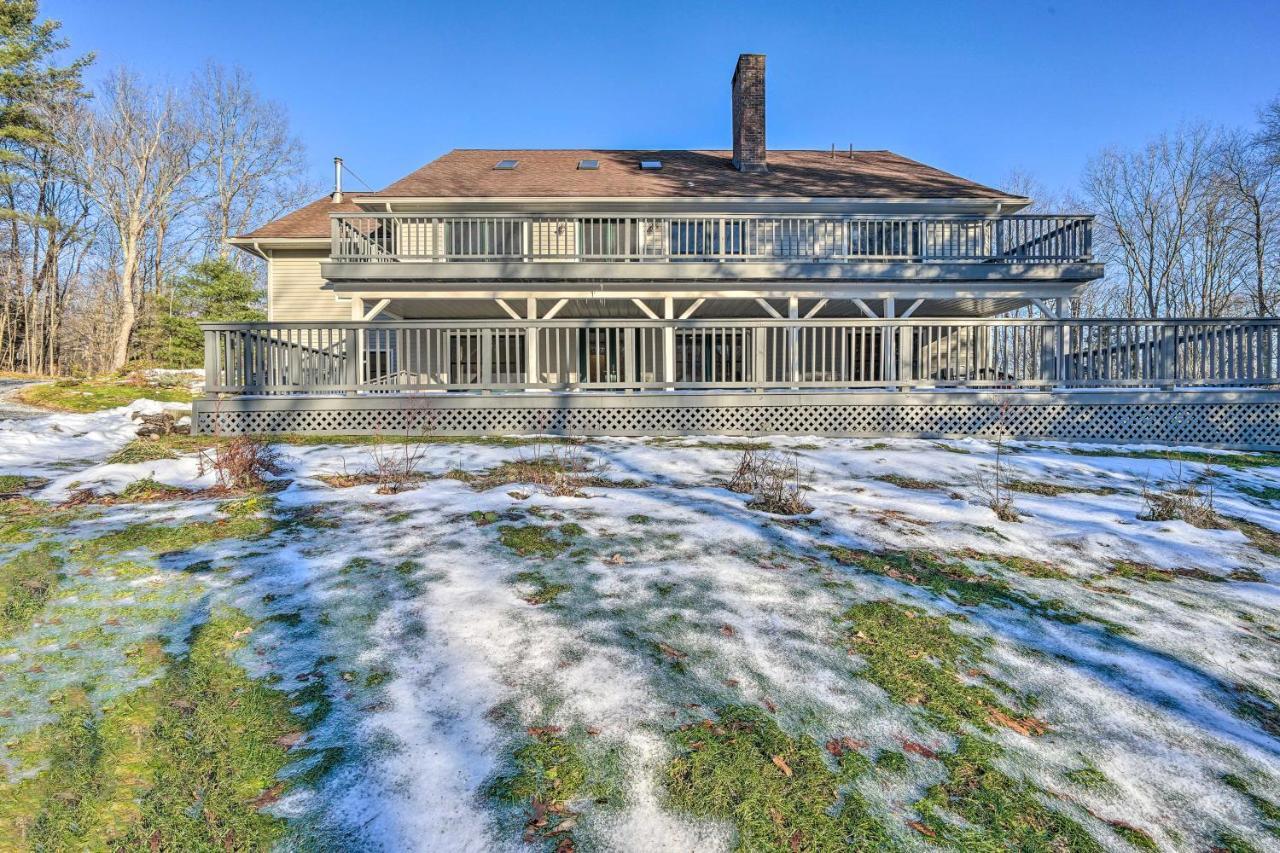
<point>631,355</point>
<point>388,237</point>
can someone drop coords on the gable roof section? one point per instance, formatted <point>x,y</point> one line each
<point>470,173</point>
<point>684,174</point>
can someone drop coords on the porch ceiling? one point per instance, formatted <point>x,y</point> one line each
<point>489,309</point>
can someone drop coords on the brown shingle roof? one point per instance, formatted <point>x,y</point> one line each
<point>311,220</point>
<point>469,173</point>
<point>794,174</point>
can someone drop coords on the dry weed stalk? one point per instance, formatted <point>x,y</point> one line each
<point>774,481</point>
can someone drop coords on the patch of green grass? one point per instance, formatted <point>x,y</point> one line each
<point>94,395</point>
<point>1270,811</point>
<point>148,489</point>
<point>910,482</point>
<point>536,540</point>
<point>1024,566</point>
<point>1090,778</point>
<point>1269,494</point>
<point>483,519</point>
<point>168,539</point>
<point>1134,570</point>
<point>1264,539</point>
<point>544,591</point>
<point>549,769</point>
<point>1258,708</point>
<point>21,518</point>
<point>951,448</point>
<point>244,507</point>
<point>1204,457</point>
<point>777,790</point>
<point>951,578</point>
<point>891,760</point>
<point>1053,490</point>
<point>161,447</point>
<point>183,763</point>
<point>1139,839</point>
<point>999,812</point>
<point>640,518</point>
<point>918,660</point>
<point>1227,841</point>
<point>15,484</point>
<point>308,440</point>
<point>26,583</point>
<point>554,773</point>
<point>731,446</point>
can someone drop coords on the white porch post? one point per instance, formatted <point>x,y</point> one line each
<point>889,345</point>
<point>669,342</point>
<point>793,338</point>
<point>355,347</point>
<point>532,376</point>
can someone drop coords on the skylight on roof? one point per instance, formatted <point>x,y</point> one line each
<point>588,164</point>
<point>507,164</point>
<point>650,164</point>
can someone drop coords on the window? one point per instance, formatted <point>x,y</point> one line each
<point>650,165</point>
<point>506,165</point>
<point>588,165</point>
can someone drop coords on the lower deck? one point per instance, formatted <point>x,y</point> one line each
<point>1209,382</point>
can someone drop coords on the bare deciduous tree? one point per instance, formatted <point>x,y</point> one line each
<point>1146,203</point>
<point>136,150</point>
<point>251,168</point>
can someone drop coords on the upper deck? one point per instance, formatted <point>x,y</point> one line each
<point>709,247</point>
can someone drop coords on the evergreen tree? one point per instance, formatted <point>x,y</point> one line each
<point>212,291</point>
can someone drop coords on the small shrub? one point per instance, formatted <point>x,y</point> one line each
<point>1182,499</point>
<point>395,465</point>
<point>241,463</point>
<point>995,485</point>
<point>774,481</point>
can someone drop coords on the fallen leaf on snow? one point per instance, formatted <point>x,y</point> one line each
<point>268,796</point>
<point>290,740</point>
<point>1025,726</point>
<point>919,749</point>
<point>921,828</point>
<point>671,651</point>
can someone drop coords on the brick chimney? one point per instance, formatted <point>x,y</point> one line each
<point>748,114</point>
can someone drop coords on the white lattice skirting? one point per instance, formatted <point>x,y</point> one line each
<point>1240,419</point>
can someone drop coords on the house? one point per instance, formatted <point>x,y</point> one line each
<point>740,290</point>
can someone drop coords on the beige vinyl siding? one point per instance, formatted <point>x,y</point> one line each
<point>294,285</point>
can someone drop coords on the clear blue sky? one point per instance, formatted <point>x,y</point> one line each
<point>977,88</point>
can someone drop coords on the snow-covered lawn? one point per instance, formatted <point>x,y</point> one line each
<point>650,664</point>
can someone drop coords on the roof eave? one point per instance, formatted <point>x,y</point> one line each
<point>997,204</point>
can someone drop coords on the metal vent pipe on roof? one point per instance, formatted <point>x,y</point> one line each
<point>337,180</point>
